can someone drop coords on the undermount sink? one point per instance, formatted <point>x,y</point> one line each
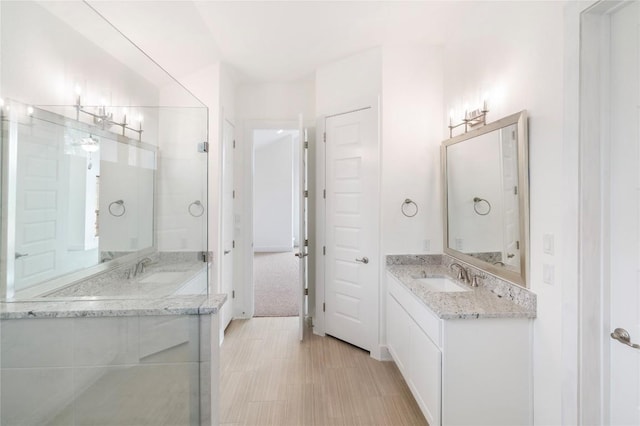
<point>162,277</point>
<point>441,284</point>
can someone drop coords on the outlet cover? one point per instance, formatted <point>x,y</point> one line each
<point>548,274</point>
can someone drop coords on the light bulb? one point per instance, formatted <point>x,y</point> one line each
<point>78,90</point>
<point>140,117</point>
<point>1,102</point>
<point>30,110</point>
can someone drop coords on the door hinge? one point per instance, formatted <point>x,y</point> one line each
<point>324,193</point>
<point>306,194</point>
<point>203,147</point>
<point>515,190</point>
<point>233,294</point>
<point>324,250</point>
<point>518,245</point>
<point>233,244</point>
<point>233,194</point>
<point>324,307</point>
<point>306,145</point>
<point>324,137</point>
<point>234,144</point>
<point>306,291</point>
<point>306,243</point>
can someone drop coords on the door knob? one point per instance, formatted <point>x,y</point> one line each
<point>364,260</point>
<point>510,255</point>
<point>227,251</point>
<point>622,336</point>
<point>301,254</point>
<point>19,255</point>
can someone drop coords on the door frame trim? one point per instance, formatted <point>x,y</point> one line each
<point>245,299</point>
<point>586,304</point>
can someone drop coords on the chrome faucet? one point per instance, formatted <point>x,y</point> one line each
<point>140,266</point>
<point>463,273</point>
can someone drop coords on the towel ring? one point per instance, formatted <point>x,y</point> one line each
<point>407,210</point>
<point>121,204</point>
<point>196,203</point>
<point>478,200</point>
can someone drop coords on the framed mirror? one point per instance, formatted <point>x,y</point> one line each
<point>486,198</point>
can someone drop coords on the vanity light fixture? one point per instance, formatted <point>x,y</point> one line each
<point>471,118</point>
<point>105,119</point>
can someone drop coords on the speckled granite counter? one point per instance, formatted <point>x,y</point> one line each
<point>494,298</point>
<point>123,307</point>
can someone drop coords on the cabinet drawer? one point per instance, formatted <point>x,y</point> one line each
<point>426,320</point>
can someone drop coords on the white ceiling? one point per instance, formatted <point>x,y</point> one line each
<point>275,41</point>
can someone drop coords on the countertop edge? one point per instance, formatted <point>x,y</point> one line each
<point>184,305</point>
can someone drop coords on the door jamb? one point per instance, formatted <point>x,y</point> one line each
<point>593,302</point>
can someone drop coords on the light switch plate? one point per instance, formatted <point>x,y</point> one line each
<point>548,243</point>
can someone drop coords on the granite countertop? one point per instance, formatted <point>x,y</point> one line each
<point>494,298</point>
<point>116,284</point>
<point>114,307</point>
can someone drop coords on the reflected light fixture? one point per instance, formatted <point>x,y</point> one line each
<point>90,144</point>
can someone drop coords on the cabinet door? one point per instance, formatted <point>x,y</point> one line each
<point>399,325</point>
<point>425,367</point>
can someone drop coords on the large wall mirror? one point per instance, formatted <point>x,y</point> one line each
<point>78,197</point>
<point>486,198</point>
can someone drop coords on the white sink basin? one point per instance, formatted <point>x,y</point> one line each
<point>163,277</point>
<point>442,284</point>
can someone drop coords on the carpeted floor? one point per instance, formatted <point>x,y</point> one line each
<point>275,277</point>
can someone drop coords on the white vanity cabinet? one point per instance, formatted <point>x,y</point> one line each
<point>461,371</point>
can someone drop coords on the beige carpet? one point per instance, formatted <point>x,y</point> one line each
<point>275,277</point>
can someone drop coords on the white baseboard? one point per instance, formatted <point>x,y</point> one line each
<point>272,249</point>
<point>382,354</point>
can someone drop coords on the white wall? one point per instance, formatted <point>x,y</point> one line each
<point>273,195</point>
<point>520,64</point>
<point>411,135</point>
<point>44,59</point>
<point>349,83</point>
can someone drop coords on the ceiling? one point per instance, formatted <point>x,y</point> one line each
<point>269,41</point>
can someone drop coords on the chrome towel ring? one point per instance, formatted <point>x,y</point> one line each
<point>122,207</point>
<point>407,208</point>
<point>477,201</point>
<point>196,209</point>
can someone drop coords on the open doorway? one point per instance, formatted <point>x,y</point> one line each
<point>276,216</point>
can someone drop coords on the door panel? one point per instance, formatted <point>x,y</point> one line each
<point>351,283</point>
<point>624,212</point>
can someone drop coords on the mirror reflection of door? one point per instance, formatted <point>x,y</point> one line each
<point>510,209</point>
<point>276,221</point>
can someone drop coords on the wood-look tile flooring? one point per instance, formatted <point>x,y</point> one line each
<point>269,378</point>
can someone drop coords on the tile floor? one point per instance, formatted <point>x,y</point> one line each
<point>269,378</point>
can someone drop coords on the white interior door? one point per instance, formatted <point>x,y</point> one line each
<point>42,186</point>
<point>227,223</point>
<point>510,215</point>
<point>352,217</point>
<point>303,249</point>
<point>624,213</point>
